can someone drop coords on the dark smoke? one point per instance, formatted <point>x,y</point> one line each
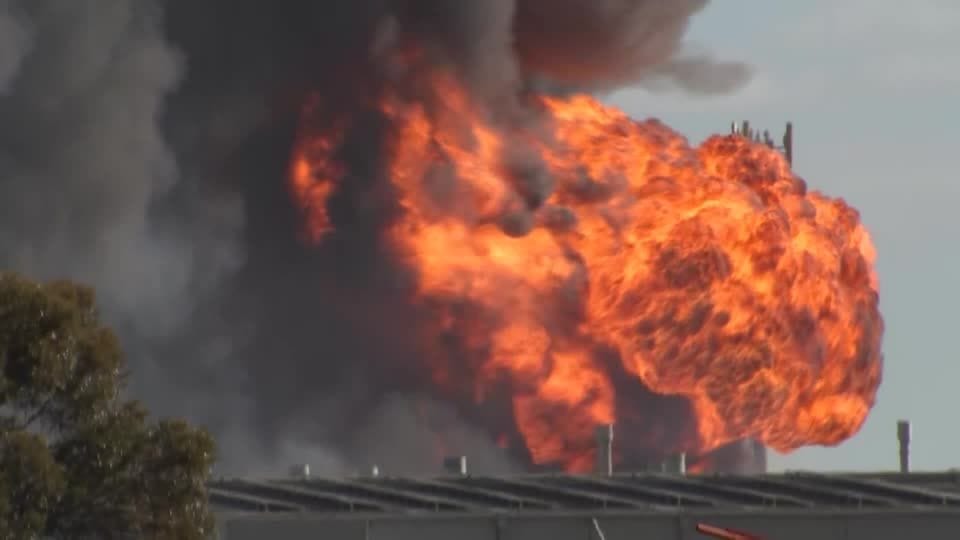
<point>90,187</point>
<point>603,44</point>
<point>143,149</point>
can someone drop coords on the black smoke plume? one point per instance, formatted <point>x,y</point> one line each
<point>143,149</point>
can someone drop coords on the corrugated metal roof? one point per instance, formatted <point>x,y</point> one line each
<point>644,492</point>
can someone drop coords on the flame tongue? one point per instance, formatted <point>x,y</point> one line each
<point>711,272</point>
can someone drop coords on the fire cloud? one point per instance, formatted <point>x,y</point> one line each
<point>149,162</point>
<point>562,254</point>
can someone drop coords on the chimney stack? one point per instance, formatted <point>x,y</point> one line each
<point>675,464</point>
<point>455,465</point>
<point>604,435</point>
<point>903,435</point>
<point>759,463</point>
<point>788,143</point>
<point>300,472</point>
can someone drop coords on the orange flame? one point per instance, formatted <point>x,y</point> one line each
<point>713,272</point>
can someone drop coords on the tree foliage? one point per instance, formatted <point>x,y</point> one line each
<point>76,459</point>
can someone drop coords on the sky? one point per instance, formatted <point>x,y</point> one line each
<point>873,90</point>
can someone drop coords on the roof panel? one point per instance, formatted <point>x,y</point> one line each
<point>557,492</point>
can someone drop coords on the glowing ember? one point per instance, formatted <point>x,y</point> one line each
<point>712,273</point>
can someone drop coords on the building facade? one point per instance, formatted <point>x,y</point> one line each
<point>620,506</point>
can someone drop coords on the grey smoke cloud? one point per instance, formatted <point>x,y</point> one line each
<point>697,74</point>
<point>587,45</point>
<point>143,148</point>
<point>91,188</point>
<point>15,40</point>
<point>602,44</point>
<point>83,160</point>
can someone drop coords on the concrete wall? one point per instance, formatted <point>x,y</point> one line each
<point>850,526</point>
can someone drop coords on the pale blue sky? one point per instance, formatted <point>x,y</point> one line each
<point>872,87</point>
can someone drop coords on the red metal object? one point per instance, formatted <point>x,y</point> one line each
<point>723,533</point>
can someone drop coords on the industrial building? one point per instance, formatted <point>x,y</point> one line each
<point>665,506</point>
<point>606,505</point>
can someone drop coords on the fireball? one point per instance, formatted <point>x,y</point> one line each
<point>578,253</point>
